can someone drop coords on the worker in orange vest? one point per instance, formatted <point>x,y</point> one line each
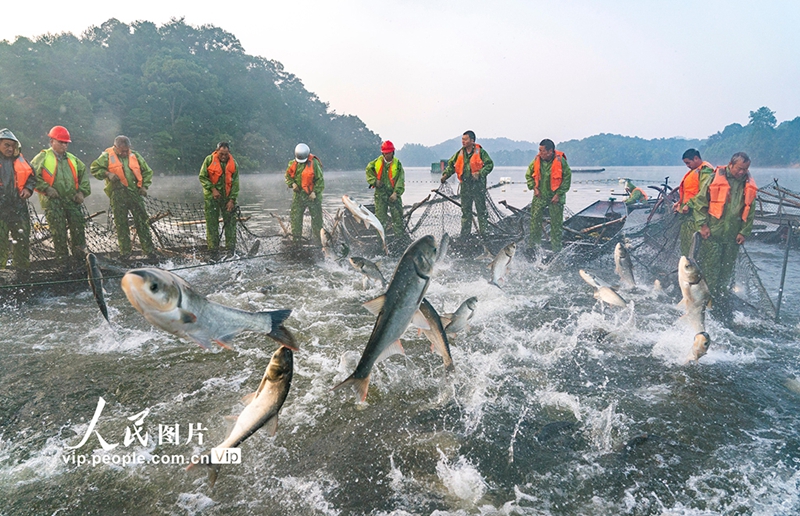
<point>17,183</point>
<point>127,177</point>
<point>549,177</point>
<point>472,165</point>
<point>304,177</point>
<point>386,175</point>
<point>699,171</point>
<point>723,212</point>
<point>219,177</point>
<point>636,194</point>
<point>63,184</point>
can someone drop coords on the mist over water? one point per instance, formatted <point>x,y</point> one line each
<point>556,405</point>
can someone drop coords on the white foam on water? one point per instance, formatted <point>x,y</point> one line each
<point>309,494</point>
<point>560,401</point>
<point>194,503</point>
<point>462,479</point>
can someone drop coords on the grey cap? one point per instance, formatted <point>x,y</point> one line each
<point>6,134</point>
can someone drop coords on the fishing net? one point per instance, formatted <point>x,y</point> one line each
<point>177,229</point>
<point>653,236</point>
<point>776,208</point>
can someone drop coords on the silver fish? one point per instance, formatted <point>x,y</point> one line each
<point>262,407</point>
<point>326,240</point>
<point>287,233</point>
<point>624,265</point>
<point>362,214</point>
<point>436,334</point>
<point>368,269</point>
<point>500,263</point>
<point>168,302</point>
<point>444,243</point>
<point>395,310</point>
<point>459,320</point>
<point>96,282</point>
<point>696,296</point>
<point>700,347</point>
<point>603,292</point>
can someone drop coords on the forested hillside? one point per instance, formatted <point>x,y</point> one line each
<point>175,90</point>
<point>767,143</point>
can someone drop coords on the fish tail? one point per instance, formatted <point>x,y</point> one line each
<point>493,282</point>
<point>278,316</point>
<point>284,337</point>
<point>361,385</point>
<point>213,469</point>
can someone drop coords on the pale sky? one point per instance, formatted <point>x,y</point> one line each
<point>424,71</point>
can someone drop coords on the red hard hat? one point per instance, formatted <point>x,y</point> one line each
<point>387,146</point>
<point>60,133</point>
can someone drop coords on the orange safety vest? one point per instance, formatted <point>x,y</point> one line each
<point>22,171</point>
<point>215,171</point>
<point>720,189</point>
<point>556,171</point>
<point>475,162</point>
<point>115,166</point>
<point>690,184</point>
<point>50,159</point>
<point>392,170</point>
<point>307,177</point>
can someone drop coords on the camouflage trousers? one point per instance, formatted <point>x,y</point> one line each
<point>213,210</point>
<point>123,201</point>
<point>18,230</point>
<point>556,210</point>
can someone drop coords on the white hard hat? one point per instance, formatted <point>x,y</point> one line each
<point>301,152</point>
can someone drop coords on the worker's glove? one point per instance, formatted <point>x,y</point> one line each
<point>378,183</point>
<point>51,193</point>
<point>77,198</point>
<point>25,194</point>
<point>143,191</point>
<point>295,187</point>
<point>230,205</point>
<point>114,178</point>
<point>393,197</point>
<point>312,196</point>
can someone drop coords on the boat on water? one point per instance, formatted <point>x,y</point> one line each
<point>588,170</point>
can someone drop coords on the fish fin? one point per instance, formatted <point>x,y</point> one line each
<point>395,348</point>
<point>231,417</point>
<point>202,340</point>
<point>284,337</point>
<point>361,385</point>
<point>418,320</point>
<point>246,399</point>
<point>492,282</point>
<point>213,473</point>
<point>225,340</point>
<point>588,278</point>
<point>271,426</point>
<point>376,305</point>
<point>187,317</point>
<point>278,316</point>
<point>446,319</point>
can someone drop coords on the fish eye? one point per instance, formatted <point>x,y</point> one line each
<point>154,287</point>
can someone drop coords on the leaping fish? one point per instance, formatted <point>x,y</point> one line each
<point>261,410</point>
<point>168,302</point>
<point>362,214</point>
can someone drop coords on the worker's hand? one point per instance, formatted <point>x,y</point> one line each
<point>555,198</point>
<point>676,207</point>
<point>740,239</point>
<point>295,187</point>
<point>378,183</point>
<point>476,175</point>
<point>393,197</point>
<point>25,193</point>
<point>536,192</point>
<point>77,198</point>
<point>143,191</point>
<point>51,193</point>
<point>312,196</point>
<point>685,209</point>
<point>114,178</point>
<point>444,179</point>
<point>705,232</point>
<point>215,193</point>
<point>230,205</point>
